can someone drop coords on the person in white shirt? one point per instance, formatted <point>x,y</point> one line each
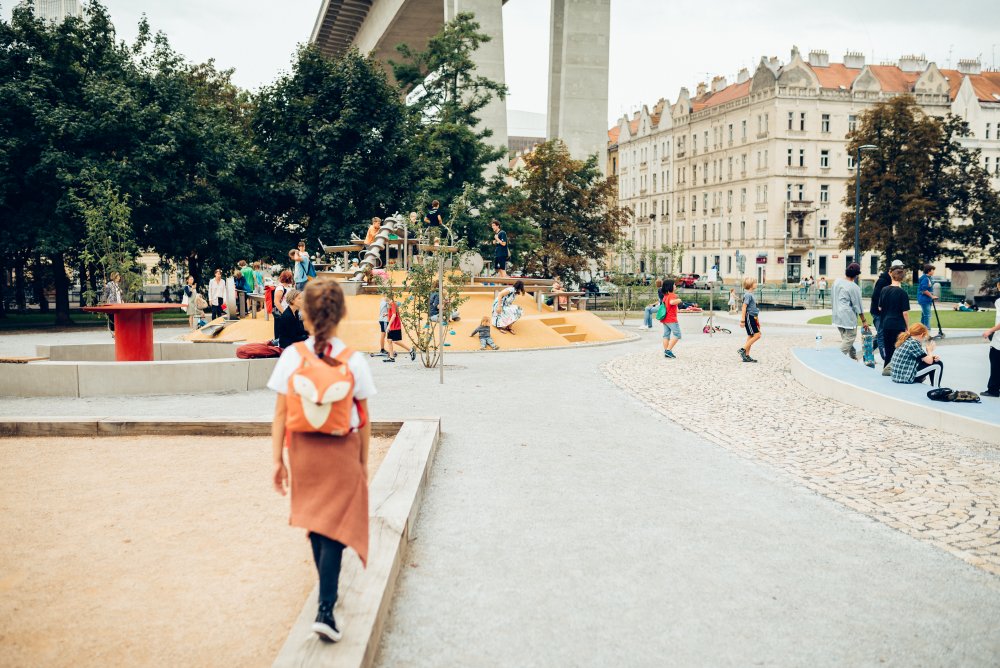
<point>217,294</point>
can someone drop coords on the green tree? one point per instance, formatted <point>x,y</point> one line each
<point>916,185</point>
<point>110,241</point>
<point>335,139</point>
<point>447,95</point>
<point>573,207</point>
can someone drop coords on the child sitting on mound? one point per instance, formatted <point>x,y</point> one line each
<point>485,339</point>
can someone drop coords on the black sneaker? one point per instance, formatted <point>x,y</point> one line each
<point>747,358</point>
<point>325,626</point>
<point>413,355</point>
<point>743,354</point>
<point>987,393</point>
<point>390,359</point>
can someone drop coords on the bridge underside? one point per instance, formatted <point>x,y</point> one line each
<point>578,57</point>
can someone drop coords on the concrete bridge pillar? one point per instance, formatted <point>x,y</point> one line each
<point>489,59</point>
<point>578,75</point>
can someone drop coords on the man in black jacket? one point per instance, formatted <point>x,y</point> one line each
<point>882,282</point>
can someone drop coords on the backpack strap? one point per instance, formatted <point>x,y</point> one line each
<point>343,358</point>
<point>303,350</point>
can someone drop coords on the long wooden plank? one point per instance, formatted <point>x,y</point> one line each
<point>366,594</point>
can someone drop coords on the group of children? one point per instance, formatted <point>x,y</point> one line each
<point>749,318</point>
<point>390,326</point>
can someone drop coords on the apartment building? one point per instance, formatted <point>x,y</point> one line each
<point>759,167</point>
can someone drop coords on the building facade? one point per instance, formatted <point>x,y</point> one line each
<point>758,168</point>
<point>57,10</point>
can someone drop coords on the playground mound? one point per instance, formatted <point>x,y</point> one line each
<point>147,551</point>
<point>536,329</point>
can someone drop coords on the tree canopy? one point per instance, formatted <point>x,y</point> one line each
<point>924,195</point>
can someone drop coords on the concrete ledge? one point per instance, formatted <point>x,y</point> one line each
<point>394,497</point>
<point>102,379</point>
<point>162,351</point>
<point>944,417</point>
<point>156,426</point>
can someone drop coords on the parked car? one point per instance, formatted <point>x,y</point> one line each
<point>686,280</point>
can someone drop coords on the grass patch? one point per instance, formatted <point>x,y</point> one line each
<point>82,319</point>
<point>949,319</point>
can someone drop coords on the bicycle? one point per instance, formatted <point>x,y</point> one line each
<point>711,328</point>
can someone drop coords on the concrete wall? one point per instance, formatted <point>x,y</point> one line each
<point>167,351</point>
<point>101,379</point>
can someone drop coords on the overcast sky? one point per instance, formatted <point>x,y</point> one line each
<point>656,46</point>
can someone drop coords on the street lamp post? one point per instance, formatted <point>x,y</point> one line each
<point>857,201</point>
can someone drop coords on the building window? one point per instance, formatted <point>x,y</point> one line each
<point>743,127</point>
<point>743,230</point>
<point>730,133</point>
<point>873,267</point>
<point>852,123</point>
<point>824,231</point>
<point>765,194</point>
<point>987,164</point>
<point>704,202</point>
<point>824,194</point>
<point>801,191</point>
<point>789,163</point>
<point>802,121</point>
<point>729,171</point>
<point>802,157</point>
<point>824,158</point>
<point>822,265</point>
<point>824,124</point>
<point>744,163</point>
<point>988,130</point>
<point>706,140</point>
<point>729,200</point>
<point>729,232</point>
<point>791,119</point>
<point>743,197</point>
<point>850,162</point>
<point>788,192</point>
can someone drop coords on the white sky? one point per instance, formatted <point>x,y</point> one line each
<point>656,46</point>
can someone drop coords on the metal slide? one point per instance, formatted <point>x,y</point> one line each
<point>371,257</point>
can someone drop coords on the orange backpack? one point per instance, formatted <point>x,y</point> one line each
<point>321,395</point>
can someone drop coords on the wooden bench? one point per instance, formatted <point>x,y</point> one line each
<point>577,299</point>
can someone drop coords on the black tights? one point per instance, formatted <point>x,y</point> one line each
<point>328,554</point>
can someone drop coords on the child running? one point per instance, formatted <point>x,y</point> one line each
<point>749,318</point>
<point>485,340</point>
<point>671,327</point>
<point>328,463</point>
<point>395,327</point>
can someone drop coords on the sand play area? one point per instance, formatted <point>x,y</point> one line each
<point>147,551</point>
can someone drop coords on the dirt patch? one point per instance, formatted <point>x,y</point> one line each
<point>147,551</point>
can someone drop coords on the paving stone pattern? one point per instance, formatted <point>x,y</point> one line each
<point>928,484</point>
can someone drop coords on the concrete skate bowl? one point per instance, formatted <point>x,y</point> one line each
<point>90,370</point>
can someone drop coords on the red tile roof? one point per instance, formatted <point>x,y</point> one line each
<point>893,79</point>
<point>613,135</point>
<point>835,75</point>
<point>985,85</point>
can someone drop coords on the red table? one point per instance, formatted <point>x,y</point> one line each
<point>133,329</point>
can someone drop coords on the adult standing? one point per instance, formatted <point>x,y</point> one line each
<point>925,295</point>
<point>894,308</point>
<point>501,249</point>
<point>307,263</point>
<point>505,311</point>
<point>298,269</point>
<point>191,302</point>
<point>286,282</point>
<point>435,222</point>
<point>821,288</point>
<point>249,280</point>
<point>847,307</point>
<point>217,294</point>
<point>991,335</point>
<point>881,283</point>
<point>112,294</point>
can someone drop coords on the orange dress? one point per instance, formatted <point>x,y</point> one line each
<point>330,488</point>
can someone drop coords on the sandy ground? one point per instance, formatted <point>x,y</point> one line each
<point>147,551</point>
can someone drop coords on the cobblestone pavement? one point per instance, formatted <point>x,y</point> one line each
<point>922,482</point>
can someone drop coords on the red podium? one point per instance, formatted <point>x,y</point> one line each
<point>133,329</point>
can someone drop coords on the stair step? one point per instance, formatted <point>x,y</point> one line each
<point>575,338</point>
<point>565,329</point>
<point>552,322</point>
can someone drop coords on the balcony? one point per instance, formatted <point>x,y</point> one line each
<point>800,242</point>
<point>760,206</point>
<point>800,206</point>
<point>716,210</point>
<point>762,135</point>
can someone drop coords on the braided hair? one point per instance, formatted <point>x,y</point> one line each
<point>323,308</point>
